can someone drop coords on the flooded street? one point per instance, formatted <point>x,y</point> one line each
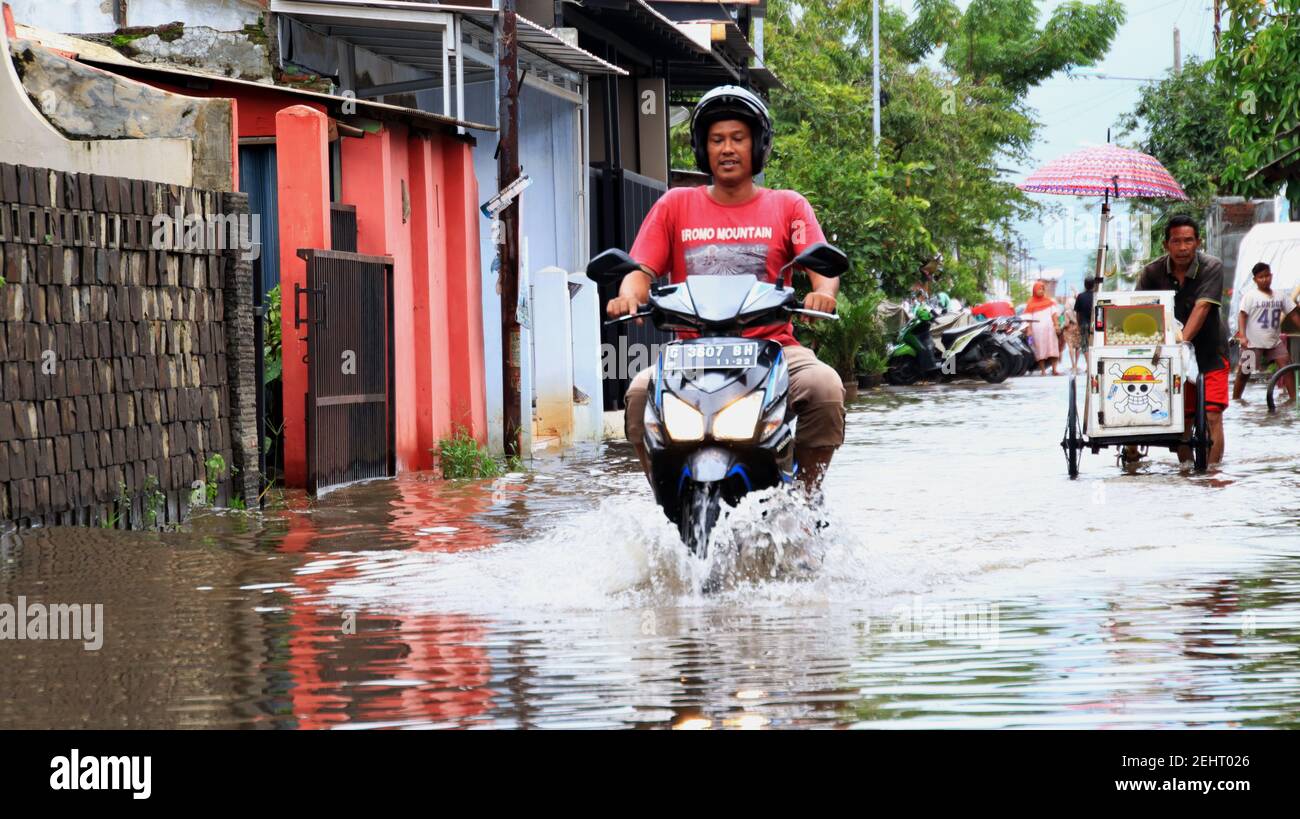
<point>964,581</point>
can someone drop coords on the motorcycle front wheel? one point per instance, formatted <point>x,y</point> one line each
<point>701,504</point>
<point>903,371</point>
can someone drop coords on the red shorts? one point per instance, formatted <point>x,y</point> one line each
<point>1216,391</point>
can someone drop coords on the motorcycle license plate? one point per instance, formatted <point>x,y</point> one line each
<point>711,356</point>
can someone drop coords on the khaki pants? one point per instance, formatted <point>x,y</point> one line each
<point>816,398</point>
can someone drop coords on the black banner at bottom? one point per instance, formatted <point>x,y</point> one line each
<point>143,769</point>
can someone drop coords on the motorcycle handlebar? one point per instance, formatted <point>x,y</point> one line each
<point>629,317</point>
<point>816,313</point>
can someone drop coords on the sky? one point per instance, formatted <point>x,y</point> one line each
<point>1075,112</point>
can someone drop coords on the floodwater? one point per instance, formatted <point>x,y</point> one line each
<point>964,581</point>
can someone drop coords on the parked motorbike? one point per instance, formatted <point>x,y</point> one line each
<point>970,350</point>
<point>1021,336</point>
<point>717,422</point>
<point>1007,335</point>
<point>912,355</point>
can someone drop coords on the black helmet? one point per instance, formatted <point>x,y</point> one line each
<point>731,102</point>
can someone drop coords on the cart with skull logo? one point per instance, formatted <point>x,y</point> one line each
<point>1136,382</point>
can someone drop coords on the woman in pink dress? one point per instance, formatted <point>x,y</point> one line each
<point>1045,312</point>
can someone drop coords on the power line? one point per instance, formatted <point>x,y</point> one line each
<point>1087,105</point>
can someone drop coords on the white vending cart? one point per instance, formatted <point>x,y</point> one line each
<point>1137,376</point>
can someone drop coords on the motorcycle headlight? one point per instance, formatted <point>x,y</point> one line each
<point>737,420</point>
<point>684,422</point>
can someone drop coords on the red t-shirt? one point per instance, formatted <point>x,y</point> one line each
<point>688,233</point>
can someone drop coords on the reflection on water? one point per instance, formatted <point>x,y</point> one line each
<point>964,582</point>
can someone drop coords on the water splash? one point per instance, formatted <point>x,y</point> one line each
<point>621,554</point>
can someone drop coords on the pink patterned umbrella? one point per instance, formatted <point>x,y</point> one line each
<point>1105,171</point>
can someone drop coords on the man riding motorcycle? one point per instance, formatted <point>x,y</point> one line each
<point>734,227</point>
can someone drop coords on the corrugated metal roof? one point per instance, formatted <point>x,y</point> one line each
<point>393,28</point>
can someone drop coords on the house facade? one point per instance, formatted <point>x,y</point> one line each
<point>383,114</point>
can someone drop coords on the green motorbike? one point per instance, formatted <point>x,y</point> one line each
<point>967,351</point>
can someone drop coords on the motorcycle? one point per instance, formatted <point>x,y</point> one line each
<point>973,351</point>
<point>1008,336</point>
<point>970,350</point>
<point>717,423</point>
<point>1020,335</point>
<point>911,356</point>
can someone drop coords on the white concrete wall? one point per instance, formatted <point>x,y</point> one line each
<point>553,353</point>
<point>65,16</point>
<point>95,17</point>
<point>584,323</point>
<point>223,15</point>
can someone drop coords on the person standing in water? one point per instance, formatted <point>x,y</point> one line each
<point>1043,311</point>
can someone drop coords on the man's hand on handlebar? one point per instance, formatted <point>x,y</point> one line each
<point>822,296</point>
<point>633,293</point>
<point>622,306</point>
<point>821,302</point>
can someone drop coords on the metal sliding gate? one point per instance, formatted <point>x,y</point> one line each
<point>349,321</point>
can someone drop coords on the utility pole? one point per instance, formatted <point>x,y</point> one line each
<point>1217,12</point>
<point>875,74</point>
<point>1178,54</point>
<point>508,172</point>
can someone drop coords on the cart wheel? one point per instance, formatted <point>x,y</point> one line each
<point>1290,372</point>
<point>1072,443</point>
<point>1201,435</point>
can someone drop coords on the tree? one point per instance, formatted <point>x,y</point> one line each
<point>998,42</point>
<point>1259,59</point>
<point>937,186</point>
<point>1179,120</point>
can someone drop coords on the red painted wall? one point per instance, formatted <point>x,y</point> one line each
<point>464,291</point>
<point>438,326</point>
<point>429,304</point>
<point>257,107</point>
<point>302,160</point>
<point>376,179</point>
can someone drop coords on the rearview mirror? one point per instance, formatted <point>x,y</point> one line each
<point>823,259</point>
<point>612,265</point>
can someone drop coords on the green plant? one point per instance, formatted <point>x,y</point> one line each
<point>461,458</point>
<point>121,507</point>
<point>873,362</point>
<point>154,500</point>
<point>261,498</point>
<point>516,464</point>
<point>272,353</point>
<point>1258,64</point>
<point>120,41</point>
<point>215,467</point>
<point>859,329</point>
